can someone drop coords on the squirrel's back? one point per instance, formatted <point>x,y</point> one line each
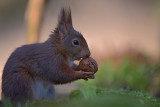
<point>22,55</point>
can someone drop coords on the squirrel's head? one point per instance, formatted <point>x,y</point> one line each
<point>72,41</point>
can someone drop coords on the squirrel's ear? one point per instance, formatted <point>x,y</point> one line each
<point>63,30</point>
<point>65,16</point>
<point>65,21</point>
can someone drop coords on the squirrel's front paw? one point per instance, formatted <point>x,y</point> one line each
<point>86,75</point>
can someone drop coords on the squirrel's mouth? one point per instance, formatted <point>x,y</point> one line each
<point>78,58</point>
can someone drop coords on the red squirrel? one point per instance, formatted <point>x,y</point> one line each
<point>31,70</point>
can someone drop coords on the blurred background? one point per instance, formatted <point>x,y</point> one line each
<point>123,36</point>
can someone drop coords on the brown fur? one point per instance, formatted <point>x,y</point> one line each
<point>49,61</point>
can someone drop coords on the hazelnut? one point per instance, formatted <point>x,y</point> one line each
<point>88,65</point>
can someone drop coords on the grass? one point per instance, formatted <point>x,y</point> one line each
<point>90,96</point>
<point>126,74</point>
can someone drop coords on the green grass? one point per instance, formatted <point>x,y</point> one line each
<point>90,96</point>
<point>125,74</point>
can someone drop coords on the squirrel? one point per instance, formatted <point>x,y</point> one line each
<point>33,69</point>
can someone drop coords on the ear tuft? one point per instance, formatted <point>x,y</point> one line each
<point>65,16</point>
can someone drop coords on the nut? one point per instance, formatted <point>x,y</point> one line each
<point>88,65</point>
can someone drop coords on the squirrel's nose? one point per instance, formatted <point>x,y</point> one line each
<point>88,54</point>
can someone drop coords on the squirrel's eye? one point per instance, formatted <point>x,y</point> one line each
<point>75,42</point>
